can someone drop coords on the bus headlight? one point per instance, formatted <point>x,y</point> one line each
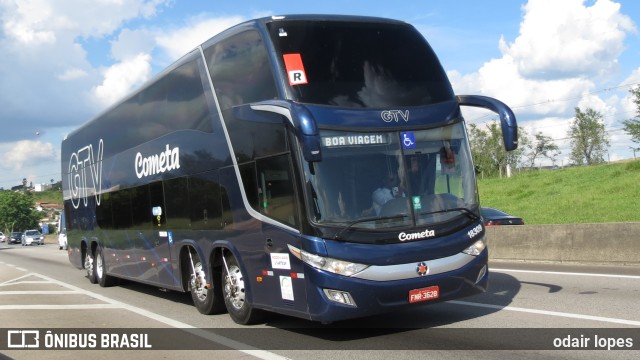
<point>335,266</point>
<point>477,248</point>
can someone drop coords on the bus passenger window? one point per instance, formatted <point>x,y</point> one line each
<point>275,189</point>
<point>205,199</point>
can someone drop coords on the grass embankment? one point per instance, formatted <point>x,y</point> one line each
<point>49,196</point>
<point>585,194</point>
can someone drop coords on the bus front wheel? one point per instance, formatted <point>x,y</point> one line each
<point>235,294</point>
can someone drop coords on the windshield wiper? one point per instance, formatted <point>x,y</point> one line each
<point>314,196</point>
<point>466,211</point>
<point>338,235</point>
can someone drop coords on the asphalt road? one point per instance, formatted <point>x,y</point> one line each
<point>529,309</point>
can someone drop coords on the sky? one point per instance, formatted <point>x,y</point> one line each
<point>65,61</point>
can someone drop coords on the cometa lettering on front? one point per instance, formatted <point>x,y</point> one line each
<point>403,236</point>
<point>158,163</point>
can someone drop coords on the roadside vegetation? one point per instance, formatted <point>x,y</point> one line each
<point>17,212</point>
<point>580,194</point>
<point>49,196</point>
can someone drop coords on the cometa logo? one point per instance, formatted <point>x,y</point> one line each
<point>403,236</point>
<point>158,163</point>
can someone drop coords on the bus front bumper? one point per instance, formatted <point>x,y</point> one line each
<point>333,297</point>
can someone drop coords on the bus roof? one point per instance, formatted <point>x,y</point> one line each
<point>253,23</point>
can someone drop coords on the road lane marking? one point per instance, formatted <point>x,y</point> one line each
<point>13,266</point>
<point>19,280</point>
<point>565,273</point>
<point>40,292</point>
<point>546,312</point>
<point>11,282</point>
<point>556,313</point>
<point>114,304</point>
<point>60,307</point>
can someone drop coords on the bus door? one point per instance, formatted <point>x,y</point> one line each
<point>281,273</point>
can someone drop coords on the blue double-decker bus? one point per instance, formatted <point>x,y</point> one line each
<point>313,166</point>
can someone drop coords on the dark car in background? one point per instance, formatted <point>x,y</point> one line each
<point>492,217</point>
<point>15,238</point>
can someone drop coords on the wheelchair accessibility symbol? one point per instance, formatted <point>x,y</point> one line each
<point>408,140</point>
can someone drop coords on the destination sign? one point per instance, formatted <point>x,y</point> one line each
<point>355,140</point>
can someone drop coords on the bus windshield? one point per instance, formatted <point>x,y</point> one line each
<point>358,64</point>
<point>382,180</point>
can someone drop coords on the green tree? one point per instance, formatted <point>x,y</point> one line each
<point>632,126</point>
<point>542,146</point>
<point>487,148</point>
<point>17,212</point>
<point>589,140</point>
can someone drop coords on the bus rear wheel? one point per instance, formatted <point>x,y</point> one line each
<point>235,294</point>
<point>100,270</point>
<point>90,267</point>
<point>207,297</point>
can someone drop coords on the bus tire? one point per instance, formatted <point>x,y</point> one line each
<point>101,270</point>
<point>207,297</point>
<point>235,294</point>
<point>89,265</point>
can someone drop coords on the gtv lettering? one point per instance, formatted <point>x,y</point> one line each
<point>395,115</point>
<point>85,174</point>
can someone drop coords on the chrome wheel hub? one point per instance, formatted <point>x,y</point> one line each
<point>234,287</point>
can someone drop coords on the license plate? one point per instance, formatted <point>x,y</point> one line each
<point>424,294</point>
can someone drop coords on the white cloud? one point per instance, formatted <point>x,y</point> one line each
<point>634,78</point>
<point>46,73</point>
<point>34,21</point>
<point>22,19</point>
<point>629,108</point>
<point>565,39</point>
<point>72,74</point>
<point>563,57</point>
<point>122,77</point>
<point>132,42</point>
<point>561,51</point>
<point>178,42</point>
<point>133,48</point>
<point>500,78</point>
<point>26,152</point>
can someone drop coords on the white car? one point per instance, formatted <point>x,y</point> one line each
<point>2,237</point>
<point>62,239</point>
<point>31,237</point>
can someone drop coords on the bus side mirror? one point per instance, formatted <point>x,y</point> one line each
<point>273,114</point>
<point>297,115</point>
<point>507,118</point>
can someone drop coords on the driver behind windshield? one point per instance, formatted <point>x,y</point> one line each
<point>388,191</point>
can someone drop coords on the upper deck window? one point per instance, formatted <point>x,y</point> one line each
<point>358,64</point>
<point>240,70</point>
